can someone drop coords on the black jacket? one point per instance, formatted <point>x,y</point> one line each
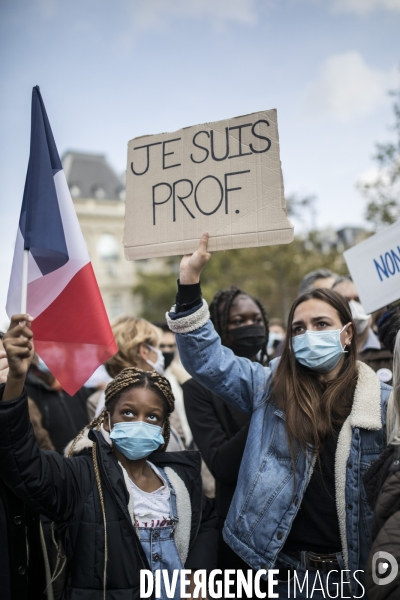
<point>22,571</point>
<point>65,490</point>
<point>62,415</point>
<point>382,484</point>
<point>220,432</point>
<point>377,360</point>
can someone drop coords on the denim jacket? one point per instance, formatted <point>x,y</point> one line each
<point>267,495</point>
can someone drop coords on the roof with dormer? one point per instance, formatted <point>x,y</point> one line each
<point>91,176</point>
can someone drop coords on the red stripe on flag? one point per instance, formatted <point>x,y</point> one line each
<point>73,335</point>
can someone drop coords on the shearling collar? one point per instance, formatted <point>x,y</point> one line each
<point>366,409</point>
<point>365,414</point>
<point>85,442</point>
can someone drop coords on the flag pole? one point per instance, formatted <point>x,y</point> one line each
<point>24,291</point>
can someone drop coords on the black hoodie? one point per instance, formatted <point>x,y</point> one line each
<point>62,415</point>
<point>65,490</point>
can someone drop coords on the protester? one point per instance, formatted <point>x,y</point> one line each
<point>177,376</point>
<point>382,480</point>
<point>388,326</point>
<point>138,346</point>
<point>167,344</point>
<point>41,434</point>
<point>276,337</point>
<point>220,431</point>
<point>63,416</point>
<point>22,563</point>
<point>317,418</point>
<point>370,349</point>
<point>116,512</point>
<point>320,278</point>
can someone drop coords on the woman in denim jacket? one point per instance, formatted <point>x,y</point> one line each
<point>317,425</point>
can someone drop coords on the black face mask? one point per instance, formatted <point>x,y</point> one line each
<point>248,340</point>
<point>168,358</point>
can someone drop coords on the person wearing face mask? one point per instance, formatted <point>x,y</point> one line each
<point>138,346</point>
<point>120,503</point>
<point>317,420</point>
<point>276,336</point>
<point>220,431</point>
<point>176,375</point>
<point>370,349</point>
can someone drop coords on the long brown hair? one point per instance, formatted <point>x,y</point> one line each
<point>313,407</point>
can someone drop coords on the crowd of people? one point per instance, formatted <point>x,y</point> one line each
<point>219,439</point>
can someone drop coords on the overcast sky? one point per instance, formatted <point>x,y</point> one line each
<point>111,70</point>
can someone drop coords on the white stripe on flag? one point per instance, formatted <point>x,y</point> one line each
<point>44,289</point>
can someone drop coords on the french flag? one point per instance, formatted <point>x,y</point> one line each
<point>72,333</point>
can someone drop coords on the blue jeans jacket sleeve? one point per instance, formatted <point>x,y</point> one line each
<point>235,380</point>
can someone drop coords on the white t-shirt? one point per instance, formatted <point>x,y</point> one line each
<point>152,509</point>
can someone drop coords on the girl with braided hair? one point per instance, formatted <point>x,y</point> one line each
<point>138,346</point>
<point>119,502</point>
<point>219,430</point>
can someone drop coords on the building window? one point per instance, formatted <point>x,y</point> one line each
<point>108,247</point>
<point>75,191</point>
<point>99,193</point>
<point>116,305</point>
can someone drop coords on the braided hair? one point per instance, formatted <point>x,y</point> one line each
<point>220,307</point>
<point>128,379</point>
<point>131,378</point>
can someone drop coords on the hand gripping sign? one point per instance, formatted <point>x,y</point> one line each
<point>224,178</point>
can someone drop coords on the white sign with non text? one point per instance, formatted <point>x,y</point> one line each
<point>375,268</point>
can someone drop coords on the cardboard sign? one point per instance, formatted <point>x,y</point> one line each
<point>375,268</point>
<point>224,178</point>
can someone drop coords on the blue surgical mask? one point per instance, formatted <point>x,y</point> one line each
<point>137,439</point>
<point>320,351</point>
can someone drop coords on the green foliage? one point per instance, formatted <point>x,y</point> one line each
<point>271,273</point>
<point>303,210</point>
<point>157,292</point>
<point>383,194</point>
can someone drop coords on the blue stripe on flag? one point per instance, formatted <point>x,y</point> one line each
<point>40,221</point>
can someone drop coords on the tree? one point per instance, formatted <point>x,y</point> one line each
<point>157,291</point>
<point>383,194</point>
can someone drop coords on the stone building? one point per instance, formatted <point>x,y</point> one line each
<point>98,195</point>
